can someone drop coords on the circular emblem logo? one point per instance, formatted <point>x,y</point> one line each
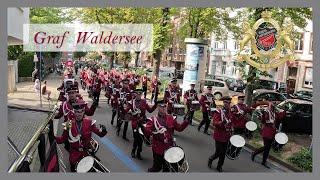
<point>265,36</point>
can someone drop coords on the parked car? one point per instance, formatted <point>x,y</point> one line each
<point>304,95</point>
<point>219,88</point>
<point>298,117</point>
<point>267,95</point>
<point>235,84</point>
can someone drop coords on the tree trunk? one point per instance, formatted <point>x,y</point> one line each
<point>111,61</point>
<point>136,59</point>
<point>157,57</point>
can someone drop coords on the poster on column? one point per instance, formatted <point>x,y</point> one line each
<point>195,52</point>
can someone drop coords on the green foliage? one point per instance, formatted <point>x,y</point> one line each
<point>125,58</point>
<point>25,64</point>
<point>79,54</point>
<point>93,55</point>
<point>14,52</point>
<point>46,15</point>
<point>302,159</point>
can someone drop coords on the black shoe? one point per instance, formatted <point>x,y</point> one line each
<point>207,133</point>
<point>265,165</point>
<point>133,154</point>
<point>139,156</point>
<point>219,169</point>
<point>112,123</point>
<point>210,163</point>
<point>252,157</point>
<point>125,138</point>
<point>118,132</point>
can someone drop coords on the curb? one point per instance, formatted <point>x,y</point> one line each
<point>271,157</point>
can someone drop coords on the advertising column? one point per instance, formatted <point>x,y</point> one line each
<point>195,62</point>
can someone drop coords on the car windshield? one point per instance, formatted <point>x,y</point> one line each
<point>287,106</point>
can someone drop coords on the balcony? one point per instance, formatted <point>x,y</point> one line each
<point>220,52</point>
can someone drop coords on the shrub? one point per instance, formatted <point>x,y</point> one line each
<point>25,65</point>
<point>302,159</point>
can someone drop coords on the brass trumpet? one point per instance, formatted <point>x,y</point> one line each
<point>67,125</point>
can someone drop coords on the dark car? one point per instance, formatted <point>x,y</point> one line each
<point>267,95</point>
<point>304,95</point>
<point>235,84</point>
<point>298,116</point>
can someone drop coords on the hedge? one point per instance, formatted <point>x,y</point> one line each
<point>25,65</point>
<point>302,159</point>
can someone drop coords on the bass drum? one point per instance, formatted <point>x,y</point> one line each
<point>178,109</point>
<point>90,164</point>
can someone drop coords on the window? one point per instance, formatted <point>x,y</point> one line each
<point>299,43</point>
<point>218,84</point>
<point>216,45</point>
<point>223,70</point>
<point>236,46</point>
<point>225,45</point>
<point>311,43</point>
<point>308,78</point>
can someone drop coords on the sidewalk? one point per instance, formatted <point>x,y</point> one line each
<point>25,95</point>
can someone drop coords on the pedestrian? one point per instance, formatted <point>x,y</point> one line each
<point>161,127</point>
<point>36,86</point>
<point>207,103</point>
<point>35,74</point>
<point>45,91</point>
<point>222,132</point>
<point>144,80</point>
<point>189,96</point>
<point>270,120</point>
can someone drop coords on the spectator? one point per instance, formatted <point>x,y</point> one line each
<point>45,91</point>
<point>36,86</point>
<point>35,75</point>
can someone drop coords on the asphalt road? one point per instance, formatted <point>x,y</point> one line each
<point>115,152</point>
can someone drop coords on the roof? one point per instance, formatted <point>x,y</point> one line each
<point>265,91</point>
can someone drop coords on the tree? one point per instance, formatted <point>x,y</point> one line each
<point>46,15</point>
<point>78,55</point>
<point>125,58</point>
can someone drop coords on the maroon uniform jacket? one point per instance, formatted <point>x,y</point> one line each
<point>143,106</point>
<point>162,141</point>
<point>222,132</point>
<point>76,153</point>
<point>173,95</point>
<point>96,84</point>
<point>269,129</point>
<point>205,103</point>
<point>189,96</point>
<point>144,80</point>
<point>239,120</point>
<point>66,111</point>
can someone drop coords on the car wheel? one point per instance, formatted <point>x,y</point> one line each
<point>217,96</point>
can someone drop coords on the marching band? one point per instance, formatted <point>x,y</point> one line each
<point>129,104</point>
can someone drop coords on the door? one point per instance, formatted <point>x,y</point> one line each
<point>291,84</point>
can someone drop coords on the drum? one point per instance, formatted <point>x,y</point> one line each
<point>250,127</point>
<point>176,159</point>
<point>280,140</point>
<point>178,109</point>
<point>90,164</point>
<point>235,146</point>
<point>195,105</point>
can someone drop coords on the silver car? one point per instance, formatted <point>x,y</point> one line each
<point>219,88</point>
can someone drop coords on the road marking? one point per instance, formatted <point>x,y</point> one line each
<point>120,154</point>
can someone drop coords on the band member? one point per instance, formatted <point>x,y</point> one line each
<point>66,83</point>
<point>115,96</point>
<point>172,96</point>
<point>161,127</point>
<point>138,108</point>
<point>207,102</point>
<point>125,97</point>
<point>239,115</point>
<point>144,80</point>
<point>96,88</point>
<point>270,120</point>
<point>189,96</point>
<point>222,132</point>
<point>155,89</point>
<point>80,136</point>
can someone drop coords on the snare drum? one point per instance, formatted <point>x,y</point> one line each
<point>195,105</point>
<point>235,146</point>
<point>90,164</point>
<point>212,110</point>
<point>280,140</point>
<point>250,127</point>
<point>178,109</point>
<point>176,159</point>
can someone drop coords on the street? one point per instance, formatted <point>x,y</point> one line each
<point>114,152</point>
